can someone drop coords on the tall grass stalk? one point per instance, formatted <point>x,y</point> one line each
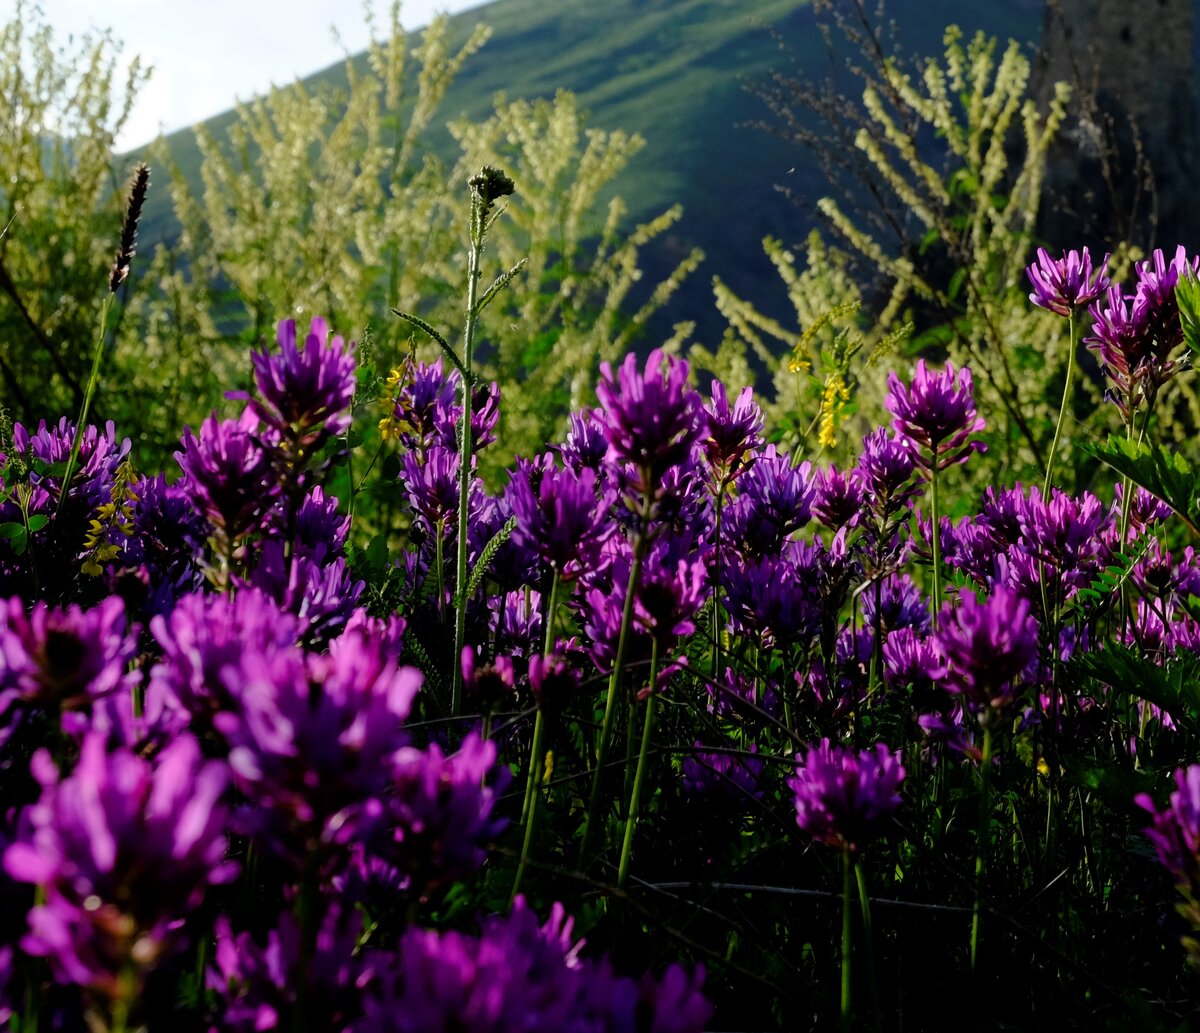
<point>117,275</point>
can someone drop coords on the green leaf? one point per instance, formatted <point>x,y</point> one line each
<point>425,328</point>
<point>499,284</point>
<point>1175,686</point>
<point>11,529</point>
<point>38,521</point>
<point>1187,294</point>
<point>1108,583</point>
<point>1165,474</point>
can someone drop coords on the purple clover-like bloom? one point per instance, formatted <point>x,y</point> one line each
<point>423,397</point>
<point>311,737</point>
<point>305,389</point>
<point>936,415</point>
<point>124,850</point>
<point>898,603</point>
<point>843,795</point>
<point>1066,284</point>
<point>586,444</point>
<point>885,469</point>
<point>554,679</point>
<point>733,432</point>
<point>911,661</point>
<point>670,592</point>
<point>228,474</point>
<point>778,599</point>
<point>725,776</point>
<point>651,417</point>
<point>775,501</point>
<point>1175,831</point>
<point>988,646</point>
<point>256,986</point>
<point>837,497</point>
<point>100,453</point>
<point>202,637</point>
<point>431,483</point>
<point>563,520</point>
<point>517,976</point>
<point>322,595</point>
<point>438,811</point>
<point>59,661</point>
<point>1136,336</point>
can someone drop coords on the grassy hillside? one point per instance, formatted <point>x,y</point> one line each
<point>681,73</point>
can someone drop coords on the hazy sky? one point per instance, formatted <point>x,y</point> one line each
<point>207,54</point>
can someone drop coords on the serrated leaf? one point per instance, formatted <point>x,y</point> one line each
<point>1187,295</point>
<point>1165,474</point>
<point>1174,687</point>
<point>1108,582</point>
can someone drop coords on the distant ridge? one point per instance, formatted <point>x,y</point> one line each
<point>677,72</point>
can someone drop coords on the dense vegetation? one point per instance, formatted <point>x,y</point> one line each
<point>863,698</point>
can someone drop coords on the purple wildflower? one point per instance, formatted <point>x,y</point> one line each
<point>727,776</point>
<point>438,812</point>
<point>305,393</point>
<point>775,501</point>
<point>1066,284</point>
<point>911,661</point>
<point>202,637</point>
<point>837,497</point>
<point>1175,832</point>
<point>256,986</point>
<point>936,415</point>
<point>227,473</point>
<point>123,849</point>
<point>564,520</point>
<point>586,444</point>
<point>60,661</point>
<point>1136,336</point>
<point>988,646</point>
<point>885,469</point>
<point>896,603</point>
<point>843,796</point>
<point>733,433</point>
<point>553,679</point>
<point>100,454</point>
<point>521,977</point>
<point>311,738</point>
<point>651,417</point>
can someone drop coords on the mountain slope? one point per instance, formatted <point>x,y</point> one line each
<point>681,73</point>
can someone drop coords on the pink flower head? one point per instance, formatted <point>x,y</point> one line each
<point>936,415</point>
<point>1066,284</point>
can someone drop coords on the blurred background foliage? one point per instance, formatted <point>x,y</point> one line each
<point>339,196</point>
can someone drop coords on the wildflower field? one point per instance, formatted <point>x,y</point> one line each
<point>873,705</point>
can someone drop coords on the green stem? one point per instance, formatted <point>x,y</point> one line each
<point>716,594</point>
<point>639,778</point>
<point>847,898</point>
<point>864,903</point>
<point>1062,409</point>
<point>981,845</point>
<point>85,406</point>
<point>936,536</point>
<point>537,764</point>
<point>614,681</point>
<point>464,454</point>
